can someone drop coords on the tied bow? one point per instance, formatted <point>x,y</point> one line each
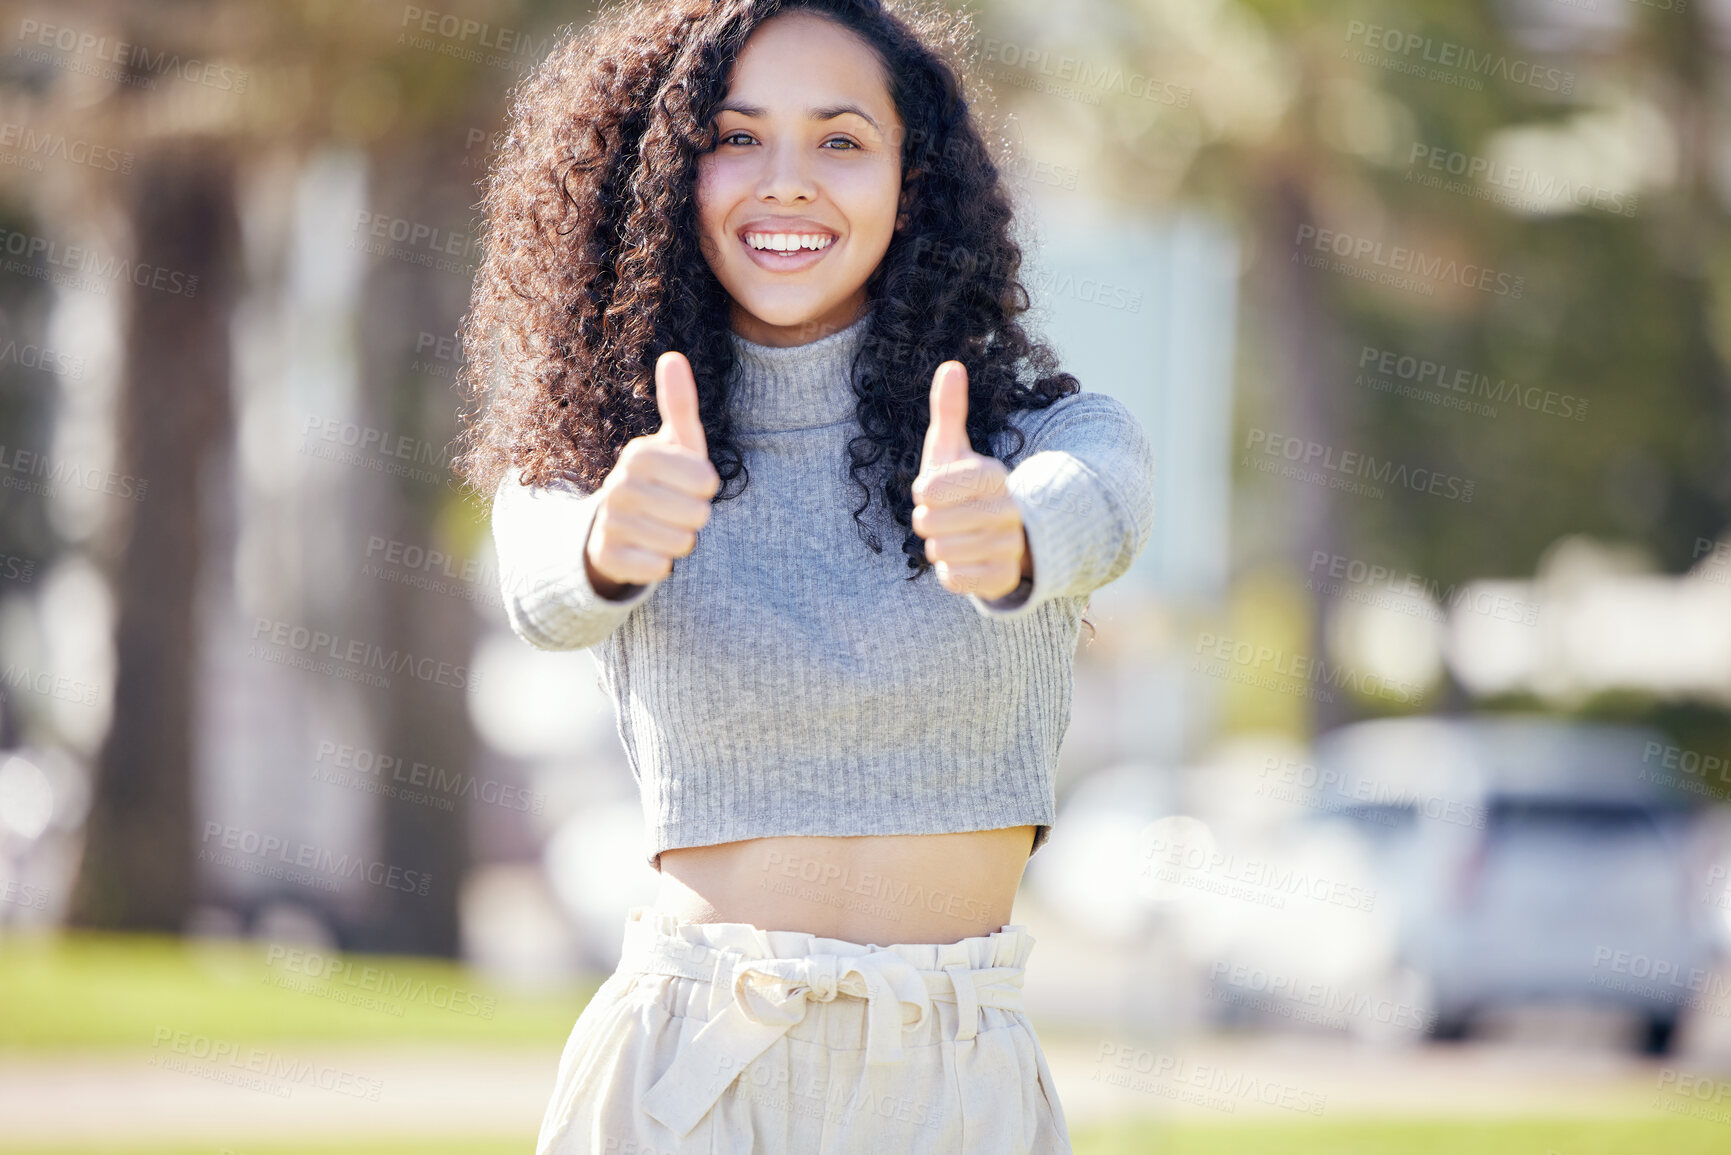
<point>768,997</point>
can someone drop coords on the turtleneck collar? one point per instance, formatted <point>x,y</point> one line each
<point>796,386</point>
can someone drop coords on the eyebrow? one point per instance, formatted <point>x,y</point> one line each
<point>828,113</point>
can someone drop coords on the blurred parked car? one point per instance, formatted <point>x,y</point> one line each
<point>1535,861</point>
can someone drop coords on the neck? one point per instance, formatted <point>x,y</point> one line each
<point>783,387</point>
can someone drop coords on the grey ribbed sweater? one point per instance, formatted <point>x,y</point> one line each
<point>784,679</point>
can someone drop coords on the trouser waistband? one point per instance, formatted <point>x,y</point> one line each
<point>757,993</point>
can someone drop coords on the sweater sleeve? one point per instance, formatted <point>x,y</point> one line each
<point>539,535</point>
<point>1086,493</point>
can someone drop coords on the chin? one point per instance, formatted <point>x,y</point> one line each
<point>786,313</point>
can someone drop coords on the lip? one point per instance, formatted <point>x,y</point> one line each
<point>791,263</point>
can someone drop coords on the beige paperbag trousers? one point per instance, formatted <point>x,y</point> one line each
<point>724,1039</point>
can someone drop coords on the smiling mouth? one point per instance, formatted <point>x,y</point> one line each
<point>787,244</point>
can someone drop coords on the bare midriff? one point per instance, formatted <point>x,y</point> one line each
<point>874,889</point>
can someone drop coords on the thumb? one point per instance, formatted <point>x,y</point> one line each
<point>947,435</point>
<point>676,399</point>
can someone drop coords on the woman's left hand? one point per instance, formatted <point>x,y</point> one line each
<point>972,528</point>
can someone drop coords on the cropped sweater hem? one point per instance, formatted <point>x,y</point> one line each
<point>672,836</point>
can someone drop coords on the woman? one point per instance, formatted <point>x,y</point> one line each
<point>749,264</point>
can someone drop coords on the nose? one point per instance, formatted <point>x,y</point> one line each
<point>785,177</point>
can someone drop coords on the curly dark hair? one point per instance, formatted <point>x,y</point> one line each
<point>591,269</point>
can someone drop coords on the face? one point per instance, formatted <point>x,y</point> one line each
<point>807,157</point>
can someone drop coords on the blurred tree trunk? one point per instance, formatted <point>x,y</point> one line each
<point>422,721</point>
<point>137,872</point>
<point>1309,403</point>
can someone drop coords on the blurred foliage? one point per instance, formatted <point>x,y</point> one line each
<point>1614,309</point>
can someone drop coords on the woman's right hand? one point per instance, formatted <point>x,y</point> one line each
<point>657,496</point>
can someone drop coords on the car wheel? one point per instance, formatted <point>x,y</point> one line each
<point>1450,1028</point>
<point>1660,1035</point>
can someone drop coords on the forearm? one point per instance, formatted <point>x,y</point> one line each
<point>551,594</point>
<point>1086,496</point>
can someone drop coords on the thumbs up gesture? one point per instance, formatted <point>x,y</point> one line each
<point>656,497</point>
<point>972,528</point>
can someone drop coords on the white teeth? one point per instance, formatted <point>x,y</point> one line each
<point>786,242</point>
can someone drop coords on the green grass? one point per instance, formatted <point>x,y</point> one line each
<point>1419,1137</point>
<point>1413,1137</point>
<point>79,991</point>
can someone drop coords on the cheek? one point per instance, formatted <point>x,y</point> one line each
<point>714,195</point>
<point>871,201</point>
<point>705,194</point>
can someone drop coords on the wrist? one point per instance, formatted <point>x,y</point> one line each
<point>606,588</point>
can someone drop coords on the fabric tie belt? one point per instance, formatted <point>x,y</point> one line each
<point>765,997</point>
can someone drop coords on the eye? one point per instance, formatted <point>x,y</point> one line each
<point>727,137</point>
<point>851,145</point>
